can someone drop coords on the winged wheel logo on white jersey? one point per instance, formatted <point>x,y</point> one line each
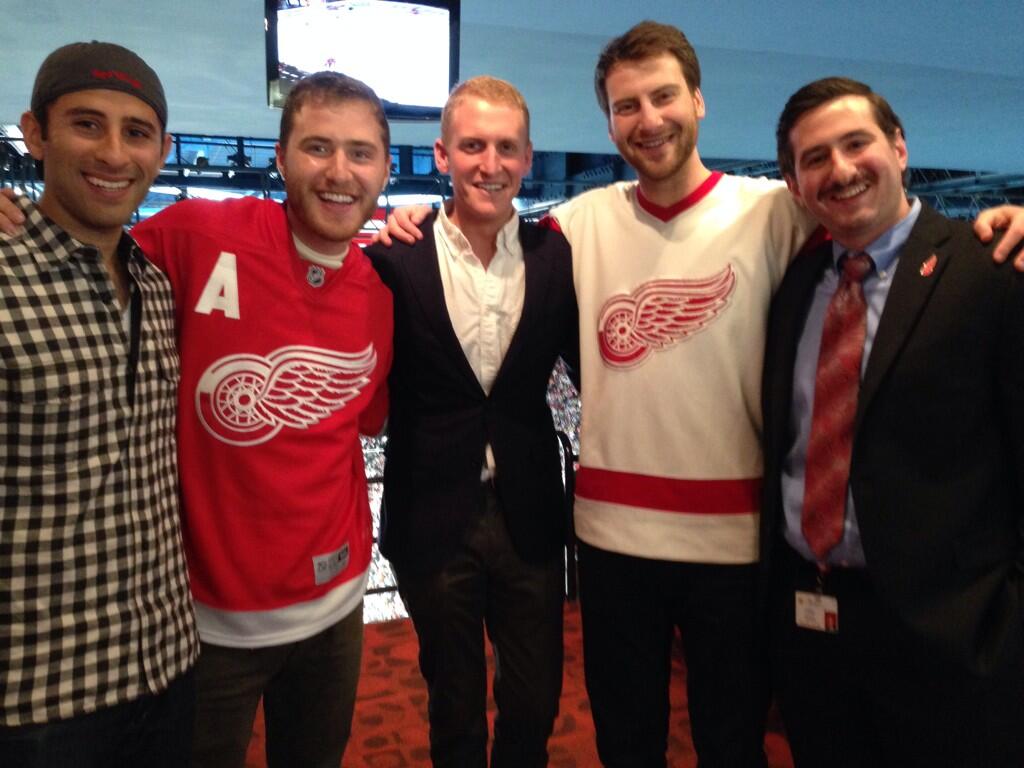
<point>247,399</point>
<point>658,314</point>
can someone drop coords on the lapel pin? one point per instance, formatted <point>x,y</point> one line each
<point>929,266</point>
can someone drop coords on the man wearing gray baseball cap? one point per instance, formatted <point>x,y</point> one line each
<point>97,631</point>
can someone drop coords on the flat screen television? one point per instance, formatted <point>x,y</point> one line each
<point>407,51</point>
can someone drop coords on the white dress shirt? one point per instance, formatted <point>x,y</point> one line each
<point>484,304</point>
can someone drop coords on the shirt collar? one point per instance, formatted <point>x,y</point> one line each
<point>51,245</point>
<point>508,235</point>
<point>886,248</point>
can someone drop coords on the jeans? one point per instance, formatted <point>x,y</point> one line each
<point>153,731</point>
<point>308,689</point>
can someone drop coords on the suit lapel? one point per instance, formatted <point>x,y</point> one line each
<point>538,268</point>
<point>921,264</point>
<point>425,278</point>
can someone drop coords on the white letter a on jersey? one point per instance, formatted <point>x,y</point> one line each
<point>221,291</point>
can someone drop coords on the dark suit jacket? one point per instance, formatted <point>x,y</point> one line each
<point>441,419</point>
<point>938,454</point>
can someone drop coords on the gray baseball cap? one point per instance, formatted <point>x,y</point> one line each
<point>83,66</point>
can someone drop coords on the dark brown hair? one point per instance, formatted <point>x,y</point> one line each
<point>331,87</point>
<point>812,96</point>
<point>646,40</point>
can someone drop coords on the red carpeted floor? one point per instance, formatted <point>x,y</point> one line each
<point>390,725</point>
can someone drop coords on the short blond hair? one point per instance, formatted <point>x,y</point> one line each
<point>493,90</point>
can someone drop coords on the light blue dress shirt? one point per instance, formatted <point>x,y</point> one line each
<point>884,252</point>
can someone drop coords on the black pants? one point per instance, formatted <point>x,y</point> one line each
<point>488,585</point>
<point>631,608</point>
<point>872,694</point>
<point>153,731</point>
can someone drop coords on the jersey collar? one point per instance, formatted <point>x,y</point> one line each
<point>667,213</point>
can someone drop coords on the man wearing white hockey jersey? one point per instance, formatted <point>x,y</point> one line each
<point>673,275</point>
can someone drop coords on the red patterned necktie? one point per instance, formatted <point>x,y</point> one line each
<point>836,386</point>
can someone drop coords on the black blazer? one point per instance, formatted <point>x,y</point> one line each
<point>938,453</point>
<point>440,419</point>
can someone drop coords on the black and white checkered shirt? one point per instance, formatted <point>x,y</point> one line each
<point>94,597</point>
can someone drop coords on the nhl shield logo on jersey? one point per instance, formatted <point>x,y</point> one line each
<point>658,314</point>
<point>247,399</point>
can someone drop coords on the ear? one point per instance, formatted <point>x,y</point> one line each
<point>32,133</point>
<point>168,141</point>
<point>698,104</point>
<point>441,155</point>
<point>387,174</point>
<point>529,156</point>
<point>899,145</point>
<point>279,159</point>
<point>794,190</point>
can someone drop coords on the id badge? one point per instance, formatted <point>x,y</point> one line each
<point>817,611</point>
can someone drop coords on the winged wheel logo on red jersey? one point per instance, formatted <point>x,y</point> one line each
<point>247,399</point>
<point>658,314</point>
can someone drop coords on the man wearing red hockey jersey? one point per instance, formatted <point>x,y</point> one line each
<point>284,332</point>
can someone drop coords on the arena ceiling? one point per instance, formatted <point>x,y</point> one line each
<point>953,71</point>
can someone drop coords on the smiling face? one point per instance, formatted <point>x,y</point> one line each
<point>101,152</point>
<point>334,167</point>
<point>486,151</point>
<point>847,173</point>
<point>652,120</point>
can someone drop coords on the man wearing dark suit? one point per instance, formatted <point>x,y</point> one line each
<point>891,530</point>
<point>473,518</point>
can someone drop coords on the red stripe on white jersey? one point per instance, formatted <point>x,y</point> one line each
<point>668,213</point>
<point>703,497</point>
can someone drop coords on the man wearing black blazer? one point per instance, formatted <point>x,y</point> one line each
<point>473,517</point>
<point>896,626</point>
